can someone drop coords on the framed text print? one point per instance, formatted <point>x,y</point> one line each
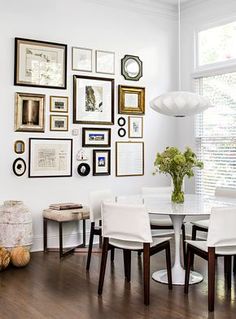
<point>40,63</point>
<point>129,158</point>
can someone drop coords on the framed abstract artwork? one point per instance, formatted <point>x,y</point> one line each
<point>82,59</point>
<point>59,104</point>
<point>40,64</point>
<point>101,162</point>
<point>96,137</point>
<point>105,62</point>
<point>131,100</point>
<point>93,100</point>
<point>135,126</point>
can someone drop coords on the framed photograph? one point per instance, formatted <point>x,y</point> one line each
<point>131,100</point>
<point>59,104</point>
<point>96,137</point>
<point>105,62</point>
<point>93,100</point>
<point>40,64</point>
<point>131,67</point>
<point>82,59</point>
<point>19,167</point>
<point>101,162</point>
<point>49,157</point>
<point>129,158</point>
<point>83,169</point>
<point>135,127</point>
<point>29,112</point>
<point>58,122</point>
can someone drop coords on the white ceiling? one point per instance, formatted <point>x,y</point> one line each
<point>175,2</point>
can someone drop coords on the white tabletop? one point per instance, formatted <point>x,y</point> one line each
<point>193,205</point>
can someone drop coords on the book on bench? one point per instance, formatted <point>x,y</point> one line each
<point>64,206</point>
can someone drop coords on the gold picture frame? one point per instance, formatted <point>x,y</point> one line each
<point>19,147</point>
<point>59,104</point>
<point>59,123</point>
<point>131,100</point>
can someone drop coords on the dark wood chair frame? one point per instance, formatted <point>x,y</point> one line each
<point>211,257</point>
<point>147,253</point>
<point>62,252</point>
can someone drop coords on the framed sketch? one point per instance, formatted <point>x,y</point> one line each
<point>19,167</point>
<point>29,112</point>
<point>19,147</point>
<point>58,122</point>
<point>49,157</point>
<point>40,64</point>
<point>82,59</point>
<point>101,162</point>
<point>105,62</point>
<point>96,137</point>
<point>59,104</point>
<point>131,100</point>
<point>129,158</point>
<point>135,127</point>
<point>93,100</point>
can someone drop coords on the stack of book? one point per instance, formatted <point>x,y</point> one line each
<point>65,206</point>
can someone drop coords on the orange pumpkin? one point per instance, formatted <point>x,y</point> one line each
<point>4,258</point>
<point>20,256</point>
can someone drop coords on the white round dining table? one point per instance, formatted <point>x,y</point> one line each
<point>194,205</point>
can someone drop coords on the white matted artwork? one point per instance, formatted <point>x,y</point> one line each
<point>50,157</point>
<point>59,104</point>
<point>82,59</point>
<point>105,62</point>
<point>101,162</point>
<point>129,158</point>
<point>135,127</point>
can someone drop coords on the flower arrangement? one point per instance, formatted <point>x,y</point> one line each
<point>177,165</point>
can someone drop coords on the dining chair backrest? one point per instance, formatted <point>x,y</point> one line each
<point>96,198</point>
<point>225,192</point>
<point>221,232</point>
<point>126,222</point>
<point>130,199</point>
<point>146,191</point>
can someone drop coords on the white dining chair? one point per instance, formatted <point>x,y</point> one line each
<point>221,241</point>
<point>95,200</point>
<point>127,227</point>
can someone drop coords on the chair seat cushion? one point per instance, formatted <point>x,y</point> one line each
<point>202,245</point>
<point>201,223</point>
<point>66,215</point>
<point>136,245</point>
<point>155,221</point>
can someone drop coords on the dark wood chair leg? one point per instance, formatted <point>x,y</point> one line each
<point>100,236</point>
<point>184,245</point>
<point>45,235</point>
<point>90,245</point>
<point>146,273</point>
<point>84,232</point>
<point>168,266</point>
<point>211,278</point>
<point>234,265</point>
<point>139,253</point>
<point>188,268</point>
<point>112,254</point>
<point>127,263</point>
<point>194,237</point>
<point>103,264</point>
<point>60,240</point>
<point>228,270</point>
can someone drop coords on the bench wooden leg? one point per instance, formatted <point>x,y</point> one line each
<point>45,235</point>
<point>60,240</point>
<point>84,232</point>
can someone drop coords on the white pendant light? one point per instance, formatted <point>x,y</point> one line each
<point>180,103</point>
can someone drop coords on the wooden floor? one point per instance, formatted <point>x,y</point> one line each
<point>50,288</point>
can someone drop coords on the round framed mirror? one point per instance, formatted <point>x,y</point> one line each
<point>131,67</point>
<point>83,169</point>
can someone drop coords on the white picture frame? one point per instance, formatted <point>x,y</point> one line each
<point>105,62</point>
<point>135,127</point>
<point>82,59</point>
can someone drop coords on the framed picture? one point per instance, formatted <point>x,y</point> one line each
<point>82,59</point>
<point>40,63</point>
<point>131,67</point>
<point>121,121</point>
<point>93,100</point>
<point>83,169</point>
<point>49,157</point>
<point>29,112</point>
<point>135,127</point>
<point>19,167</point>
<point>19,147</point>
<point>105,62</point>
<point>101,162</point>
<point>58,122</point>
<point>129,158</point>
<point>96,137</point>
<point>59,104</point>
<point>131,100</point>
<point>121,132</point>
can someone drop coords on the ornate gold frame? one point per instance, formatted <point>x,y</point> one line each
<point>125,109</point>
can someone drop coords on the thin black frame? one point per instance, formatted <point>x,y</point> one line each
<point>94,162</point>
<point>52,139</point>
<point>84,129</point>
<point>16,63</point>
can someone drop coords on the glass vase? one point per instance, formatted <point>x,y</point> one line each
<point>177,194</point>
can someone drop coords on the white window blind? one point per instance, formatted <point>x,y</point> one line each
<point>215,132</point>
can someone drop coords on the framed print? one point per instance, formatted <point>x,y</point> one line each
<point>49,157</point>
<point>29,112</point>
<point>131,67</point>
<point>82,59</point>
<point>129,158</point>
<point>19,147</point>
<point>131,100</point>
<point>40,64</point>
<point>93,100</point>
<point>59,104</point>
<point>105,62</point>
<point>96,137</point>
<point>135,127</point>
<point>121,132</point>
<point>58,122</point>
<point>101,162</point>
<point>19,167</point>
<point>83,169</point>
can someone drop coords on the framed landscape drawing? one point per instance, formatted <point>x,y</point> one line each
<point>96,137</point>
<point>40,63</point>
<point>50,157</point>
<point>29,112</point>
<point>93,100</point>
<point>59,104</point>
<point>105,62</point>
<point>59,123</point>
<point>82,59</point>
<point>101,162</point>
<point>131,100</point>
<point>135,127</point>
<point>129,158</point>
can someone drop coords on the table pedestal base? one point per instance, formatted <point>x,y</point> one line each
<point>178,276</point>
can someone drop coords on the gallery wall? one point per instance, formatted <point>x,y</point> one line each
<point>150,34</point>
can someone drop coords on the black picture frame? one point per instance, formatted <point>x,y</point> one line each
<point>83,169</point>
<point>121,132</point>
<point>45,44</point>
<point>108,165</point>
<point>121,121</point>
<point>18,164</point>
<point>92,144</point>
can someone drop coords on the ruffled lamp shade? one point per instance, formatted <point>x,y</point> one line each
<point>180,104</point>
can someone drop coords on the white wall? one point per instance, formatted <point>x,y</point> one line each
<point>89,24</point>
